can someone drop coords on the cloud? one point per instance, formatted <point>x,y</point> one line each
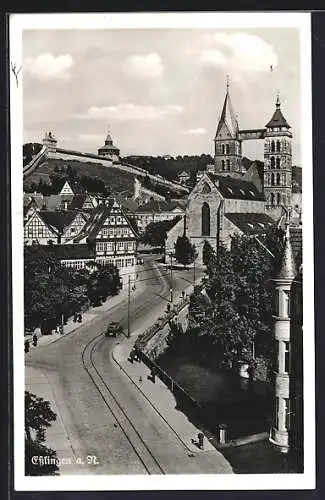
<point>149,66</point>
<point>131,112</point>
<point>195,131</point>
<point>244,52</point>
<point>47,67</point>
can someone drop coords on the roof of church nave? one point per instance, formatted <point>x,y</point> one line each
<point>277,119</point>
<point>251,223</point>
<point>235,188</point>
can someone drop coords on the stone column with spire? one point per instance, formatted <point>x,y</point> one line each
<point>280,431</point>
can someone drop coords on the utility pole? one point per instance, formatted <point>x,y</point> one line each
<point>194,270</point>
<point>129,296</point>
<point>171,278</point>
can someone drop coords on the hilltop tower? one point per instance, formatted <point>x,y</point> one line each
<point>109,149</point>
<point>50,142</point>
<point>277,163</point>
<point>280,432</point>
<point>227,145</point>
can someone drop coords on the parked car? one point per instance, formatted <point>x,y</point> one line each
<point>113,329</point>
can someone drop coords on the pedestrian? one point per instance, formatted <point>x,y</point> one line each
<point>26,346</point>
<point>35,339</point>
<point>75,317</point>
<point>79,318</point>
<point>201,440</point>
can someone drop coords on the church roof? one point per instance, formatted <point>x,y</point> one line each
<point>251,223</point>
<point>228,117</point>
<point>287,267</point>
<point>278,119</point>
<point>109,144</point>
<point>230,187</point>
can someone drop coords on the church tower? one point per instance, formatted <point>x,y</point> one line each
<point>277,164</point>
<point>227,146</point>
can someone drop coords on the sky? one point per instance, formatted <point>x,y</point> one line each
<point>159,91</point>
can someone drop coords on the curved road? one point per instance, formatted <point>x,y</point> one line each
<point>103,414</point>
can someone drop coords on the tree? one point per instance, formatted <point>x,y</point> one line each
<point>156,232</point>
<point>50,289</point>
<point>208,253</point>
<point>38,417</point>
<point>103,282</point>
<point>184,251</point>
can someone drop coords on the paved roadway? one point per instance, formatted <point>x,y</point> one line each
<point>103,414</point>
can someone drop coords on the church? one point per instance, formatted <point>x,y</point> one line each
<point>230,200</point>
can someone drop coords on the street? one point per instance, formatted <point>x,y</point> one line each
<point>104,415</point>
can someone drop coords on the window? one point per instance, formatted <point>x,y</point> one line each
<point>228,164</point>
<point>286,353</point>
<point>278,199</point>
<point>272,147</point>
<point>272,197</point>
<point>272,162</point>
<point>223,164</point>
<point>278,179</point>
<point>277,409</point>
<point>287,413</point>
<point>277,298</point>
<point>120,245</point>
<point>206,188</point>
<point>227,149</point>
<point>286,303</point>
<point>105,231</point>
<point>278,162</point>
<point>118,220</point>
<point>118,262</point>
<point>223,149</point>
<point>278,145</point>
<point>272,181</point>
<point>100,246</point>
<point>205,219</point>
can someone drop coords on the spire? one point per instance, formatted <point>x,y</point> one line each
<point>277,119</point>
<point>228,116</point>
<point>288,267</point>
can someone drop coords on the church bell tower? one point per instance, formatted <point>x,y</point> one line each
<point>227,145</point>
<point>277,164</point>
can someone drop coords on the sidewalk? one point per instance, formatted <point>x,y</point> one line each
<point>163,401</point>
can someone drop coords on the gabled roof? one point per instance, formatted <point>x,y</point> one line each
<point>233,188</point>
<point>278,119</point>
<point>228,118</point>
<point>250,224</point>
<point>78,201</point>
<point>97,219</point>
<point>59,219</point>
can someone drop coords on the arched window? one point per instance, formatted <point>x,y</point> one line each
<point>278,199</point>
<point>272,198</point>
<point>278,179</point>
<point>222,164</point>
<point>205,219</point>
<point>228,164</point>
<point>272,146</point>
<point>272,180</point>
<point>227,149</point>
<point>272,162</point>
<point>278,145</point>
<point>278,163</point>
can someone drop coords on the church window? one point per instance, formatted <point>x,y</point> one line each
<point>206,188</point>
<point>228,164</point>
<point>272,180</point>
<point>278,179</point>
<point>278,201</point>
<point>272,162</point>
<point>205,219</point>
<point>272,146</point>
<point>278,163</point>
<point>223,164</point>
<point>278,145</point>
